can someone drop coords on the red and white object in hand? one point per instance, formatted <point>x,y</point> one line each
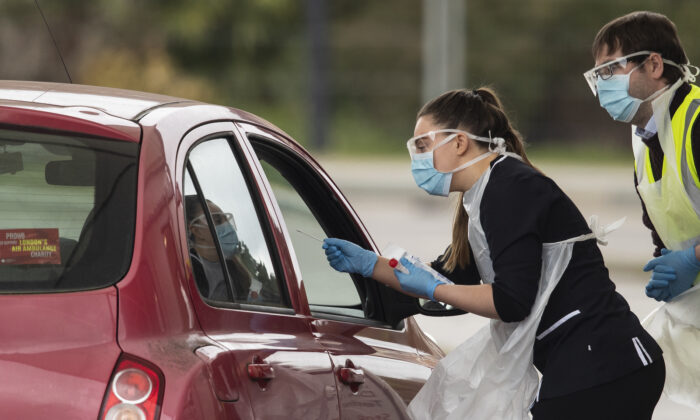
<point>395,264</point>
<point>395,253</point>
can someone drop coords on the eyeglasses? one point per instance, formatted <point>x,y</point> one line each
<point>426,142</point>
<point>607,70</point>
<point>219,218</point>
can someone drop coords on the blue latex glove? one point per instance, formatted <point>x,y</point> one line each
<point>347,257</point>
<point>673,273</point>
<point>657,287</point>
<point>418,281</point>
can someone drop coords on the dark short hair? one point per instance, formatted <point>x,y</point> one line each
<point>643,31</point>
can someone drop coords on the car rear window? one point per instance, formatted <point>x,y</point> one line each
<point>67,210</point>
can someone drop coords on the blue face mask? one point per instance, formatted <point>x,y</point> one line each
<point>427,177</point>
<point>430,179</point>
<point>228,239</point>
<point>613,95</point>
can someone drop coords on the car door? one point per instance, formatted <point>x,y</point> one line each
<point>377,366</point>
<point>241,290</point>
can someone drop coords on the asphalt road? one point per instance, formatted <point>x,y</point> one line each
<point>394,210</point>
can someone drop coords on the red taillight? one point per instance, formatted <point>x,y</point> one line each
<point>134,392</point>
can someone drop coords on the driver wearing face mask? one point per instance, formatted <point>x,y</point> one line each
<point>205,257</point>
<point>225,232</point>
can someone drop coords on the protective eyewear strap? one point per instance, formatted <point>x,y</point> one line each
<point>688,70</point>
<point>473,136</point>
<point>624,58</point>
<point>445,140</point>
<point>197,219</point>
<point>496,144</point>
<point>498,141</point>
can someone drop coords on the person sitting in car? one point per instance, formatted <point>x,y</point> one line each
<point>204,255</point>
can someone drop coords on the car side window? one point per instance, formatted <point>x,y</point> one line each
<point>67,211</point>
<point>229,253</point>
<point>327,290</point>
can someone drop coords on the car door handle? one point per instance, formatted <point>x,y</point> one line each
<point>260,372</point>
<point>350,376</point>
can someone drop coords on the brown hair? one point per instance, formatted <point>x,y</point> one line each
<point>478,112</point>
<point>643,31</point>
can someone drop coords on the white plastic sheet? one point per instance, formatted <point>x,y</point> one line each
<point>676,327</point>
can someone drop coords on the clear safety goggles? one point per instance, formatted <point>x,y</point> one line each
<point>606,70</point>
<point>219,218</point>
<point>426,142</point>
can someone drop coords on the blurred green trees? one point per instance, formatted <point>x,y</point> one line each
<point>254,55</point>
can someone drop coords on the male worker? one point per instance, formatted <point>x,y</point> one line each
<point>642,77</point>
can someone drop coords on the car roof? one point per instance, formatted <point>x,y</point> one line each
<point>122,103</point>
<point>119,104</point>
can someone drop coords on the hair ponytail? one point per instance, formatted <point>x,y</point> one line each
<point>503,127</point>
<point>481,113</point>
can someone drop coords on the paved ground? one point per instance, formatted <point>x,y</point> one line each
<point>395,210</point>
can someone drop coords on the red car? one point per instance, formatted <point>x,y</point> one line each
<point>159,259</point>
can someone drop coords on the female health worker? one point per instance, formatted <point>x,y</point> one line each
<point>521,254</point>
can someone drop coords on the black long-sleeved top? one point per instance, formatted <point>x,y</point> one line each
<point>656,158</point>
<point>600,339</point>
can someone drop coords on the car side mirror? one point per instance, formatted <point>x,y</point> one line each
<point>70,173</point>
<point>431,308</point>
<point>11,162</point>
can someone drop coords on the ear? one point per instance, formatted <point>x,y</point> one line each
<point>655,66</point>
<point>461,144</point>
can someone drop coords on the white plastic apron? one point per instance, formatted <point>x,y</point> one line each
<point>675,325</point>
<point>491,376</point>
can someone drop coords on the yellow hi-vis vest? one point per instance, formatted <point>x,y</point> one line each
<point>673,201</point>
<point>672,204</point>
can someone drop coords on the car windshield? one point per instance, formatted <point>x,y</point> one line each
<point>67,210</point>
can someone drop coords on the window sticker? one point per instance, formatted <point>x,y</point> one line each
<point>29,246</point>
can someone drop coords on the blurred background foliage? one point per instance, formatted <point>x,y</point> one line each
<point>255,55</point>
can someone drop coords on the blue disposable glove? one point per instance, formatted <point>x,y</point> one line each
<point>673,273</point>
<point>349,258</point>
<point>418,281</point>
<point>657,287</point>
